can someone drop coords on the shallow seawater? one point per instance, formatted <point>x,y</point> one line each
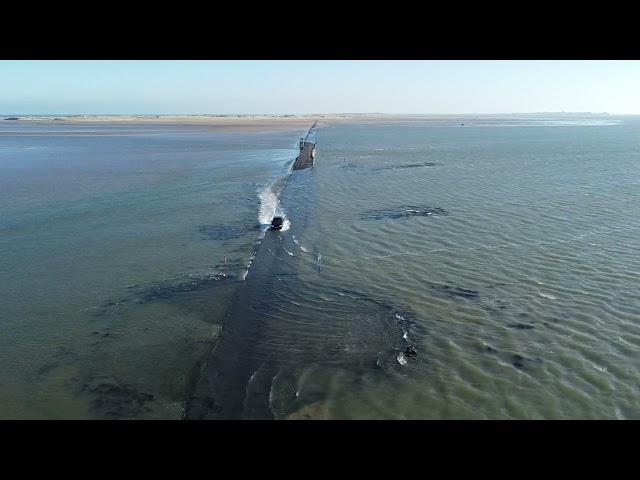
<point>114,244</point>
<point>428,270</point>
<point>448,272</point>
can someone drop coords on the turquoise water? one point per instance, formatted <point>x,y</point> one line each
<point>504,252</point>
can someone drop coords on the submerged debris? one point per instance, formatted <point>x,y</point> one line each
<point>402,212</point>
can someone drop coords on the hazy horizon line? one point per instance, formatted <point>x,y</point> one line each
<point>306,114</point>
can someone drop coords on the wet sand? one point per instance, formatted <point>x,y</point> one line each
<point>231,123</point>
<point>255,123</point>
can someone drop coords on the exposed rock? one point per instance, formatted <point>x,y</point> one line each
<point>411,351</point>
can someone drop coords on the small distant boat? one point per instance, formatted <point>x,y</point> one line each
<point>276,223</point>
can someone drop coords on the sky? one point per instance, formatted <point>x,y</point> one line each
<point>317,86</point>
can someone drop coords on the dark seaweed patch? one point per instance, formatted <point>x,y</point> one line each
<point>351,166</point>
<point>399,167</point>
<point>116,401</point>
<point>455,291</point>
<point>167,291</point>
<point>149,293</point>
<point>402,212</point>
<point>521,326</point>
<point>171,292</point>
<point>518,361</point>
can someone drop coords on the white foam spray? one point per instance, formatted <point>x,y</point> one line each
<point>546,295</point>
<point>295,240</point>
<point>402,360</point>
<point>269,196</point>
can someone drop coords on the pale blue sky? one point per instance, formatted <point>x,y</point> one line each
<point>227,87</point>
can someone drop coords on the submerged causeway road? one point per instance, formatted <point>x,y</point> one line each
<point>307,149</point>
<point>236,380</point>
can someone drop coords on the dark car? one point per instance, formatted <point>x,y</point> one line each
<point>276,223</point>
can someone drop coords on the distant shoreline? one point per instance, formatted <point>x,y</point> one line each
<point>280,123</point>
<point>230,124</point>
<point>214,119</point>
